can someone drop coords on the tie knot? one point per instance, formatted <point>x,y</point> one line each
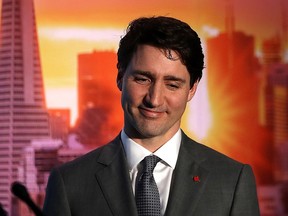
<point>149,163</point>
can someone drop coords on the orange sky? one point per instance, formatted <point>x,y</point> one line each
<point>69,27</point>
<point>115,13</point>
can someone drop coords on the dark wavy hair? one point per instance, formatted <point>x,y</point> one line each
<point>166,33</point>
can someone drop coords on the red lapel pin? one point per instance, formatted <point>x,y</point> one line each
<point>196,178</point>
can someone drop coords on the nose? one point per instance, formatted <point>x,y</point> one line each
<point>155,95</point>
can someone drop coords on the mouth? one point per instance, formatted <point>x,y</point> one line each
<point>151,113</point>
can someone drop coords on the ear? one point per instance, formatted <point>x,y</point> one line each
<point>119,80</point>
<point>192,91</point>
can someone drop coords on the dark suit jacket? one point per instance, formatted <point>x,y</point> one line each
<point>204,182</point>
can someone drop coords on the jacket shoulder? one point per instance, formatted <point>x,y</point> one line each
<point>208,157</point>
<point>90,160</point>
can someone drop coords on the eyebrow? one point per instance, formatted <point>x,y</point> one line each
<point>174,78</point>
<point>168,77</point>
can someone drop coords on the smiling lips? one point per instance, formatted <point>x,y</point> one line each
<point>151,113</point>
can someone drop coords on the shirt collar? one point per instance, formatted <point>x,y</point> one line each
<point>136,153</point>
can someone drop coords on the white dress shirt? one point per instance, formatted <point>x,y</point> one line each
<point>163,171</point>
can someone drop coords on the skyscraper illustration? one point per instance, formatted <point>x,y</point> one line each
<point>278,80</point>
<point>98,98</point>
<point>23,114</point>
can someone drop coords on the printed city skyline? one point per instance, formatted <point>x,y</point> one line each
<point>68,28</point>
<point>240,106</point>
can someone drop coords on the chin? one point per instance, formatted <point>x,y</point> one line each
<point>149,133</point>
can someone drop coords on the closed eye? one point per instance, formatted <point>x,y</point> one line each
<point>142,80</point>
<point>174,83</point>
<point>173,86</point>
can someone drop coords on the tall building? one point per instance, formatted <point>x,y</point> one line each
<point>59,123</point>
<point>278,80</point>
<point>271,49</point>
<point>272,54</point>
<point>36,163</point>
<point>23,115</point>
<point>277,99</point>
<point>231,54</point>
<point>233,88</point>
<point>99,109</point>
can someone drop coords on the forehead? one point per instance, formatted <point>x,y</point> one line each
<point>155,60</point>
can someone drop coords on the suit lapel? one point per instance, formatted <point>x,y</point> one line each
<point>113,178</point>
<point>188,182</point>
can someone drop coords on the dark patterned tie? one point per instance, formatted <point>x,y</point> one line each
<point>146,193</point>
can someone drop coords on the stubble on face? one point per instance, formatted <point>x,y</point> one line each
<point>155,91</point>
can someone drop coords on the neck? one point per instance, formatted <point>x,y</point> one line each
<point>152,144</point>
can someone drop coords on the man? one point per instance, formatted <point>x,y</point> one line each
<point>160,63</point>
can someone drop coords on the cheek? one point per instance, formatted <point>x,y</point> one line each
<point>177,102</point>
<point>131,95</point>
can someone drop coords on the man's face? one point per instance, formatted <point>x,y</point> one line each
<point>155,91</point>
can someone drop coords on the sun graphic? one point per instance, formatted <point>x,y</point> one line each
<point>226,119</point>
